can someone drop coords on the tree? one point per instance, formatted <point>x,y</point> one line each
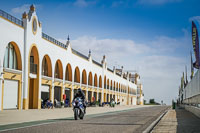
<point>152,101</point>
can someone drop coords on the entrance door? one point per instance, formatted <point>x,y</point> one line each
<point>10,94</point>
<point>95,96</point>
<point>99,97</point>
<point>44,92</point>
<point>68,94</point>
<point>89,96</point>
<point>107,97</point>
<point>57,93</point>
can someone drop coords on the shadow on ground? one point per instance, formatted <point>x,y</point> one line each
<point>187,122</point>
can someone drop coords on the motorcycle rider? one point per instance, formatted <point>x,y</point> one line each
<point>81,95</point>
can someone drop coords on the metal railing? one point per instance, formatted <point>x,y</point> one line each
<point>51,39</point>
<point>97,63</point>
<point>11,18</point>
<point>33,68</point>
<point>110,70</point>
<point>80,54</point>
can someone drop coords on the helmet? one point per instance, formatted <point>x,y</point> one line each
<point>79,90</point>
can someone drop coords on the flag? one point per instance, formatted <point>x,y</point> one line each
<point>192,68</point>
<point>186,81</point>
<point>182,81</point>
<point>195,42</point>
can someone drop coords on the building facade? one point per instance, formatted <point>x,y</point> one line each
<point>35,66</point>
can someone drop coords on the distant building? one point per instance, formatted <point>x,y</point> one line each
<point>140,93</point>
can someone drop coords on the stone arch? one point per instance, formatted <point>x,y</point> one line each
<point>108,85</point>
<point>95,80</point>
<point>77,75</point>
<point>84,77</point>
<point>111,86</point>
<point>58,73</point>
<point>33,96</point>
<point>117,87</point>
<point>104,82</point>
<point>46,66</point>
<point>90,79</point>
<point>100,82</point>
<point>68,72</point>
<point>16,56</point>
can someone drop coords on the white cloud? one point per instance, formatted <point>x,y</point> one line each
<point>156,2</point>
<point>24,8</point>
<point>159,66</point>
<point>195,18</point>
<point>117,3</point>
<point>83,3</point>
<point>21,9</point>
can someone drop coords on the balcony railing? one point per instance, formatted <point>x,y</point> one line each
<point>11,18</point>
<point>33,68</point>
<point>51,39</point>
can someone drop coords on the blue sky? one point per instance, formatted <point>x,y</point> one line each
<point>150,36</point>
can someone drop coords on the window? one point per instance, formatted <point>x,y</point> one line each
<point>10,58</point>
<point>57,71</point>
<point>44,67</point>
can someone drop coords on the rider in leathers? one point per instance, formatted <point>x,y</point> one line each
<point>81,95</point>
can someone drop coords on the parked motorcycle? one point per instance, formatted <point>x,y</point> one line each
<point>78,108</point>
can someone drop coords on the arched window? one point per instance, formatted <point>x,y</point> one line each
<point>57,74</point>
<point>10,58</point>
<point>44,67</point>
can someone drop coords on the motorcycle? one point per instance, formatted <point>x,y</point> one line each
<point>78,108</point>
<point>112,103</point>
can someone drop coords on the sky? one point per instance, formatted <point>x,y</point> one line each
<point>152,37</point>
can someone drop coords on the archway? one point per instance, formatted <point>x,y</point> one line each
<point>46,66</point>
<point>104,82</point>
<point>34,78</point>
<point>58,73</point>
<point>90,79</point>
<point>108,84</point>
<point>84,77</point>
<point>12,57</point>
<point>111,87</point>
<point>77,75</point>
<point>95,80</point>
<point>11,89</point>
<point>100,82</point>
<point>68,73</point>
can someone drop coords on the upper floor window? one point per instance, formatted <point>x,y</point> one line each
<point>57,71</point>
<point>44,67</point>
<point>10,58</point>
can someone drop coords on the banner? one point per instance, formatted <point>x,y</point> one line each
<point>195,42</point>
<point>192,68</point>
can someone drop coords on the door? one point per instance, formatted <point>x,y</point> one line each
<point>57,93</point>
<point>44,92</point>
<point>10,94</point>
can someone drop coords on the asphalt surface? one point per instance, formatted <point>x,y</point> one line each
<point>130,121</point>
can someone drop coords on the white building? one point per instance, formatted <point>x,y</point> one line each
<point>35,66</point>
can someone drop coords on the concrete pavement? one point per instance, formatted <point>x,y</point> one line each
<point>20,116</point>
<point>133,119</point>
<point>178,121</point>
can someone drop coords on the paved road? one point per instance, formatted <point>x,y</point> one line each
<point>135,120</point>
